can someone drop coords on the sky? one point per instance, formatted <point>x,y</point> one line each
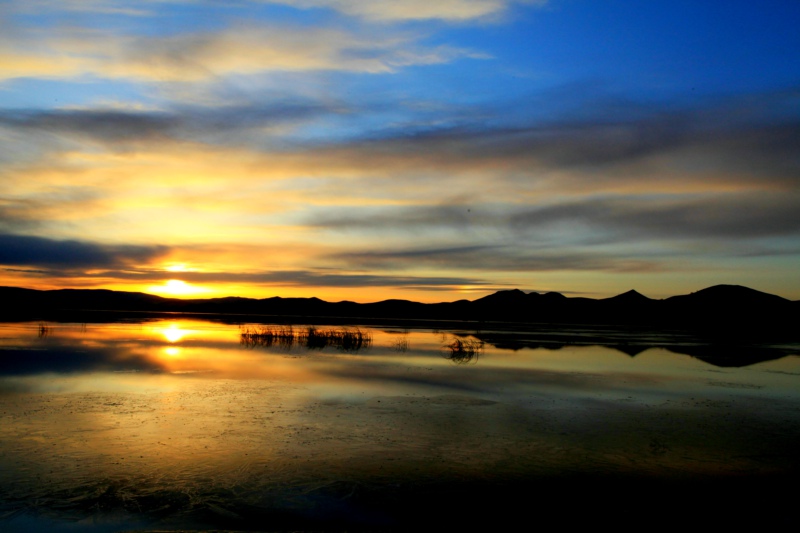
<point>412,149</point>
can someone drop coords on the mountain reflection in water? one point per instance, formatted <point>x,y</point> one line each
<point>187,424</point>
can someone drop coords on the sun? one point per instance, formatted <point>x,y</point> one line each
<point>176,287</point>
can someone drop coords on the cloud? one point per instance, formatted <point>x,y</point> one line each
<point>502,258</point>
<point>372,10</point>
<point>295,278</point>
<point>665,180</point>
<point>619,218</point>
<point>20,250</point>
<point>15,215</point>
<point>129,128</point>
<point>476,203</point>
<point>713,148</point>
<point>731,216</point>
<point>97,7</point>
<point>700,149</point>
<point>99,125</point>
<point>411,10</point>
<point>207,56</point>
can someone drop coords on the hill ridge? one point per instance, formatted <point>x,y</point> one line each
<point>719,307</point>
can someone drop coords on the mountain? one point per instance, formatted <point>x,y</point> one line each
<point>726,309</point>
<point>629,298</point>
<point>735,295</point>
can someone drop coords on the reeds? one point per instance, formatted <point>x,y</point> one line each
<point>344,339</point>
<point>401,344</point>
<point>267,337</point>
<point>462,351</point>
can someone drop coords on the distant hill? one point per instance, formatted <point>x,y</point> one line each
<point>722,308</point>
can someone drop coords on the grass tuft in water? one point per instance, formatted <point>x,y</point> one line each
<point>463,351</point>
<point>312,338</point>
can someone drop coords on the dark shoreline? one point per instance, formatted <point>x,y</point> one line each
<point>710,347</point>
<point>722,310</point>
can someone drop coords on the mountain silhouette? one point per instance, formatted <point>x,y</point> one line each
<point>629,298</point>
<point>724,309</point>
<point>736,295</point>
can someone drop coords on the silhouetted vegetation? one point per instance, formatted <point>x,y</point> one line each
<point>267,337</point>
<point>401,344</point>
<point>344,339</point>
<point>463,350</point>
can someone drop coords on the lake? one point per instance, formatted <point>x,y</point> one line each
<point>186,424</point>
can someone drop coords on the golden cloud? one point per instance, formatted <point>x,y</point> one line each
<point>204,56</point>
<point>403,10</point>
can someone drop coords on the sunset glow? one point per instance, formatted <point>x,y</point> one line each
<point>430,151</point>
<point>176,288</point>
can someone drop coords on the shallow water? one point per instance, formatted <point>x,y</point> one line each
<point>184,424</point>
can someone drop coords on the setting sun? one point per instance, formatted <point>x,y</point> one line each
<point>176,287</point>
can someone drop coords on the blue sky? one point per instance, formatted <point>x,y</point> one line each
<point>405,149</point>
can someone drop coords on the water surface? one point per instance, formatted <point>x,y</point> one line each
<point>186,424</point>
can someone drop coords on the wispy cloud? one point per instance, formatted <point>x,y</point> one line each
<point>373,10</point>
<point>621,218</point>
<point>504,258</point>
<point>97,7</point>
<point>203,56</point>
<point>125,129</point>
<point>405,10</point>
<point>302,278</point>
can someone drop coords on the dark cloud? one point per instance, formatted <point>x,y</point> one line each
<point>731,216</point>
<point>316,278</point>
<point>15,217</point>
<point>753,139</point>
<point>107,126</point>
<point>737,216</point>
<point>311,278</point>
<point>402,218</point>
<point>29,214</point>
<point>496,258</point>
<point>118,127</point>
<point>19,250</point>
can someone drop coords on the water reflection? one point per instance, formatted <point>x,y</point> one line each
<point>189,424</point>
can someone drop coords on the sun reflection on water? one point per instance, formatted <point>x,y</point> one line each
<point>173,333</point>
<point>172,351</point>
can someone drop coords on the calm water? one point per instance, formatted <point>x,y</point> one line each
<point>183,424</point>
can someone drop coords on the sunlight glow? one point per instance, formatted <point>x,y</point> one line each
<point>176,287</point>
